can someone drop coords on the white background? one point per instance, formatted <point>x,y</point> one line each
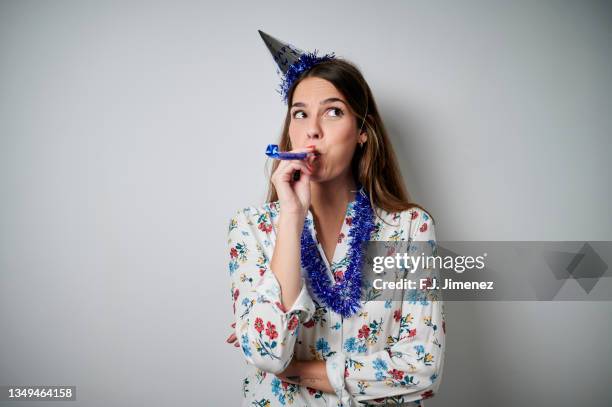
<point>131,131</point>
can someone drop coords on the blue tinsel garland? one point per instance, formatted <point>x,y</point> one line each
<point>305,62</point>
<point>343,297</point>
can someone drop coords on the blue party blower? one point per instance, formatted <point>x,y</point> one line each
<point>272,152</point>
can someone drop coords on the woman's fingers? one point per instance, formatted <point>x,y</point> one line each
<point>232,337</point>
<point>285,175</point>
<point>293,192</point>
<point>309,160</point>
<point>287,167</point>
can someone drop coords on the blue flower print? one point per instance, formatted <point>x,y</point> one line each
<point>322,346</point>
<point>246,348</point>
<point>379,364</point>
<point>350,345</point>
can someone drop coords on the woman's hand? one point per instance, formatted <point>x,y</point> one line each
<point>291,373</point>
<point>232,338</point>
<point>312,373</point>
<point>304,373</point>
<point>294,196</point>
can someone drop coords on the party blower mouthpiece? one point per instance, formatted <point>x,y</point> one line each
<point>272,152</point>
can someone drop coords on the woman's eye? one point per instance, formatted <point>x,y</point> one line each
<point>338,113</point>
<point>338,110</point>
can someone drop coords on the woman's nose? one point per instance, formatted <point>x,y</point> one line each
<point>313,131</point>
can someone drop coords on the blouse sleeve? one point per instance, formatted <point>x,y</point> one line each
<point>409,369</point>
<point>265,329</point>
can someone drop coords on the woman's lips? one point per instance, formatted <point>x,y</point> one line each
<point>314,150</point>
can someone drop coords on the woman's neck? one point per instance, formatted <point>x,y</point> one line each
<point>331,198</point>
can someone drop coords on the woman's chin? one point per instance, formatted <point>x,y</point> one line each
<point>315,177</point>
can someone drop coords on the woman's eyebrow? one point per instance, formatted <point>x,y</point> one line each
<point>328,100</point>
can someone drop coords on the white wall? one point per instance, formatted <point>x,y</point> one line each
<point>131,131</point>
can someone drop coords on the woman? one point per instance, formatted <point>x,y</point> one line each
<point>313,343</point>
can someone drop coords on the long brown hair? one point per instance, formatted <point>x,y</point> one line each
<point>374,165</point>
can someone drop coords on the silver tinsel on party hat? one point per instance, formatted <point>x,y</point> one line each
<point>291,61</point>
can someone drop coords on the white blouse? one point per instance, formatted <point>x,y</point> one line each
<point>389,352</point>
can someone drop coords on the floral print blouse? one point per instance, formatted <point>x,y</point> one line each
<point>389,352</point>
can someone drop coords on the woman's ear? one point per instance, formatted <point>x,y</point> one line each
<point>364,130</point>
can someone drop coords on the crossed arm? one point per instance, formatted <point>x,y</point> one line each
<point>311,374</point>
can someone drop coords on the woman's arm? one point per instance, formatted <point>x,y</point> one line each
<point>408,370</point>
<point>312,374</point>
<point>411,367</point>
<point>265,329</point>
<point>294,199</point>
<point>285,262</point>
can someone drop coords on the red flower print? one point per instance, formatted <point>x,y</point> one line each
<point>340,237</point>
<point>293,323</point>
<point>339,275</point>
<point>349,221</point>
<point>346,372</point>
<point>233,253</point>
<point>258,325</point>
<point>309,324</point>
<point>262,271</point>
<point>236,294</point>
<point>397,374</point>
<point>414,215</point>
<point>423,227</point>
<point>311,391</point>
<point>364,331</point>
<point>265,227</point>
<point>412,332</point>
<point>271,330</point>
<point>284,384</point>
<point>397,315</point>
<point>428,394</point>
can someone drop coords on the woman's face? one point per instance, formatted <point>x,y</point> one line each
<point>320,116</point>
